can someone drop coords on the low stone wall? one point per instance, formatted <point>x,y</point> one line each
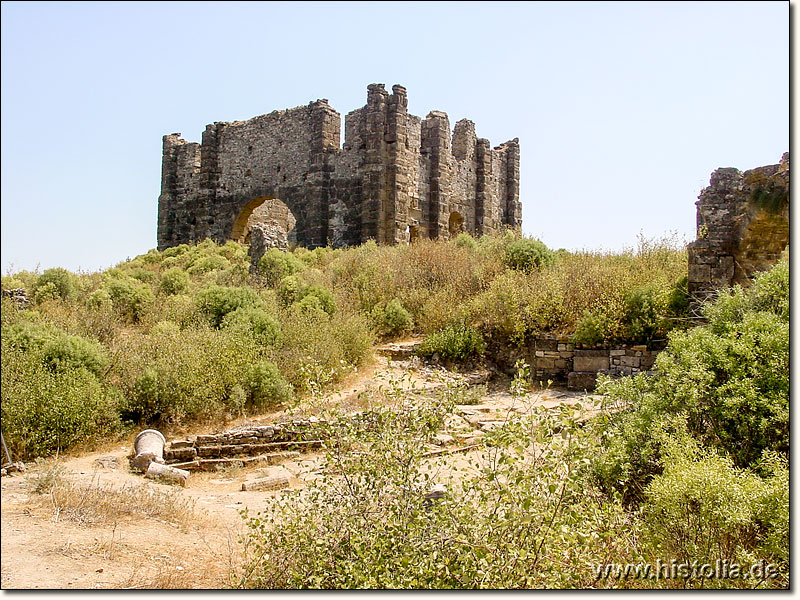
<point>243,442</point>
<point>561,360</point>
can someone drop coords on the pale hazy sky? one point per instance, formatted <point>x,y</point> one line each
<point>622,109</point>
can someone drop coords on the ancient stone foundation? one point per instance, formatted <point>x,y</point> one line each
<point>397,177</point>
<point>562,361</point>
<point>742,228</point>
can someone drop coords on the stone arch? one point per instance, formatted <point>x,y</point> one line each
<point>455,223</point>
<point>272,216</point>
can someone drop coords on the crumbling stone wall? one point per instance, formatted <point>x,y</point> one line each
<point>742,228</point>
<point>396,178</point>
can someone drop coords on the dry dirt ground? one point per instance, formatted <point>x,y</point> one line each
<point>199,545</point>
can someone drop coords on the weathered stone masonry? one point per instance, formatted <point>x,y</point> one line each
<point>742,228</point>
<point>397,177</point>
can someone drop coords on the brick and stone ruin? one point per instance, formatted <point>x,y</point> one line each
<point>742,228</point>
<point>285,176</point>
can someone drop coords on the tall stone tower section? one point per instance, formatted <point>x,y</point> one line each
<point>742,228</point>
<point>397,178</point>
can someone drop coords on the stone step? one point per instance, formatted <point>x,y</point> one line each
<point>398,351</point>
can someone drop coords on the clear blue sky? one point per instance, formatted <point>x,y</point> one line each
<point>622,109</point>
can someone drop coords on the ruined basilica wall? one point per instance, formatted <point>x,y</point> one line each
<point>396,176</point>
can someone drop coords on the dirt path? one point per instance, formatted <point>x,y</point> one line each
<point>45,549</point>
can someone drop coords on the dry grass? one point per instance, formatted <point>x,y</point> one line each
<point>105,504</point>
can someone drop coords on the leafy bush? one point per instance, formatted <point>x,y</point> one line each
<point>276,264</point>
<point>465,240</point>
<point>44,410</point>
<point>509,520</point>
<point>163,328</point>
<point>393,319</point>
<point>100,299</point>
<point>55,348</point>
<point>267,386</point>
<point>174,281</point>
<point>645,309</point>
<point>291,289</point>
<point>728,381</point>
<point>256,322</point>
<point>177,378</point>
<point>591,330</point>
<point>206,264</point>
<point>528,254</point>
<point>59,283</point>
<point>456,342</point>
<point>130,297</point>
<point>704,509</point>
<point>216,301</point>
<point>66,352</point>
<point>325,297</point>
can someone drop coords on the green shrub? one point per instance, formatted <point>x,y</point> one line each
<point>174,281</point>
<point>130,297</point>
<point>206,264</point>
<point>456,342</point>
<point>55,348</point>
<point>63,285</point>
<point>12,283</point>
<point>267,386</point>
<point>276,264</point>
<point>163,328</point>
<point>291,289</point>
<point>514,520</point>
<point>393,319</point>
<point>142,275</point>
<point>644,314</point>
<point>216,301</point>
<point>326,300</point>
<point>528,254</point>
<point>44,411</point>
<point>176,251</point>
<point>256,322</point>
<point>727,380</point>
<point>65,352</point>
<point>591,330</point>
<point>46,292</point>
<point>100,299</point>
<point>183,377</point>
<point>27,335</point>
<point>704,509</point>
<point>465,240</point>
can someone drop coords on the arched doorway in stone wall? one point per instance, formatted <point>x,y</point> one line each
<point>456,224</point>
<point>272,216</point>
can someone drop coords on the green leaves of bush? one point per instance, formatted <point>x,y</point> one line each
<point>528,254</point>
<point>276,264</point>
<point>455,342</point>
<point>216,301</point>
<point>267,386</point>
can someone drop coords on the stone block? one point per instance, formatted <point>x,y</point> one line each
<point>699,273</point>
<point>275,482</point>
<point>208,451</point>
<point>590,363</point>
<point>629,361</point>
<point>180,454</point>
<point>581,381</point>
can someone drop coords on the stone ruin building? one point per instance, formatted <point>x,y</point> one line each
<point>285,176</point>
<point>742,228</point>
